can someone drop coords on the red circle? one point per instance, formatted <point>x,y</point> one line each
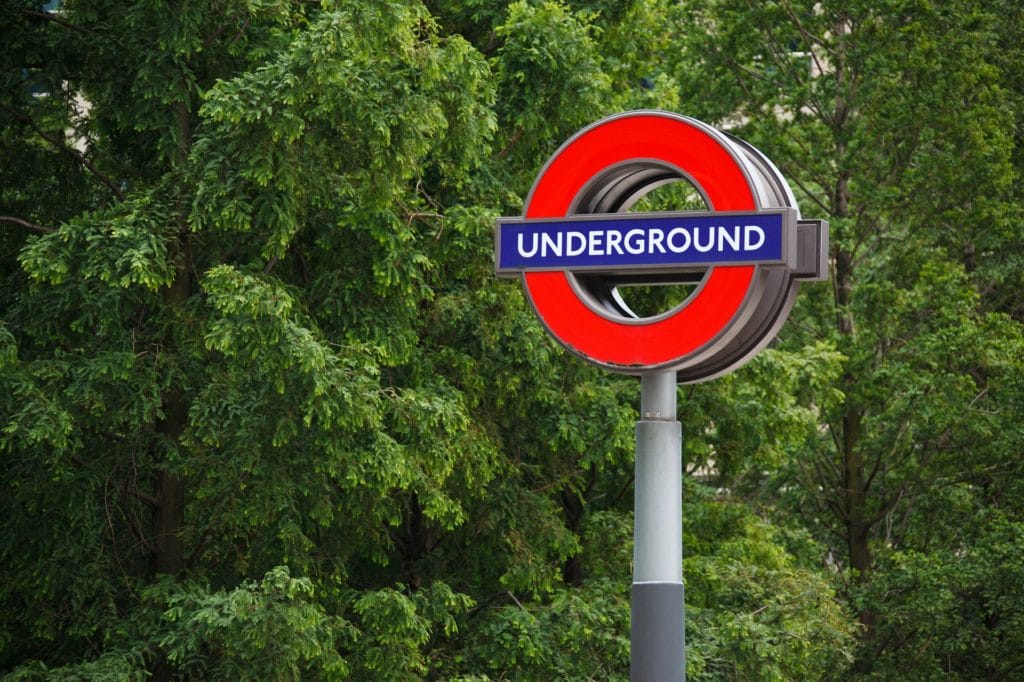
<point>684,144</point>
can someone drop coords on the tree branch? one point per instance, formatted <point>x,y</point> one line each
<point>782,58</point>
<point>891,456</point>
<point>805,153</point>
<point>840,513</point>
<point>48,16</point>
<point>810,39</point>
<point>810,195</point>
<point>518,603</point>
<point>64,147</point>
<point>150,501</point>
<point>27,225</point>
<point>888,507</point>
<point>511,143</point>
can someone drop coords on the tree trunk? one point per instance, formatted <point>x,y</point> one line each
<point>573,508</point>
<point>855,486</point>
<point>416,544</point>
<point>169,514</point>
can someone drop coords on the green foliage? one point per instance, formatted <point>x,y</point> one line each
<point>960,615</point>
<point>272,630</point>
<point>550,72</point>
<point>396,629</point>
<point>580,634</point>
<point>899,123</point>
<point>265,412</point>
<point>124,248</point>
<point>752,611</point>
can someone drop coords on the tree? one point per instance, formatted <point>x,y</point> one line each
<point>169,318</point>
<point>267,412</point>
<point>895,123</point>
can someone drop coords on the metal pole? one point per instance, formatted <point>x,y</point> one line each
<point>657,635</point>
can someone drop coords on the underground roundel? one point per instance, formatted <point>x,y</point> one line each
<point>576,245</point>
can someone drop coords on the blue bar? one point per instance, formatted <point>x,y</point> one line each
<point>638,242</point>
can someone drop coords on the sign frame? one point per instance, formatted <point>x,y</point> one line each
<point>735,310</point>
<point>787,240</point>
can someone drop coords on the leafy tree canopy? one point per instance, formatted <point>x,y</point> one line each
<point>265,412</point>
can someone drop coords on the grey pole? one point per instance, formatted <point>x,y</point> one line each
<point>657,635</point>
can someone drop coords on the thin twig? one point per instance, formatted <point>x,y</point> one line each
<point>509,592</point>
<point>887,507</point>
<point>810,195</point>
<point>42,229</point>
<point>148,499</point>
<point>64,147</point>
<point>511,143</point>
<point>49,16</point>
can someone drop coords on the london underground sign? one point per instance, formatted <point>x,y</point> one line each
<point>645,242</point>
<point>575,246</point>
